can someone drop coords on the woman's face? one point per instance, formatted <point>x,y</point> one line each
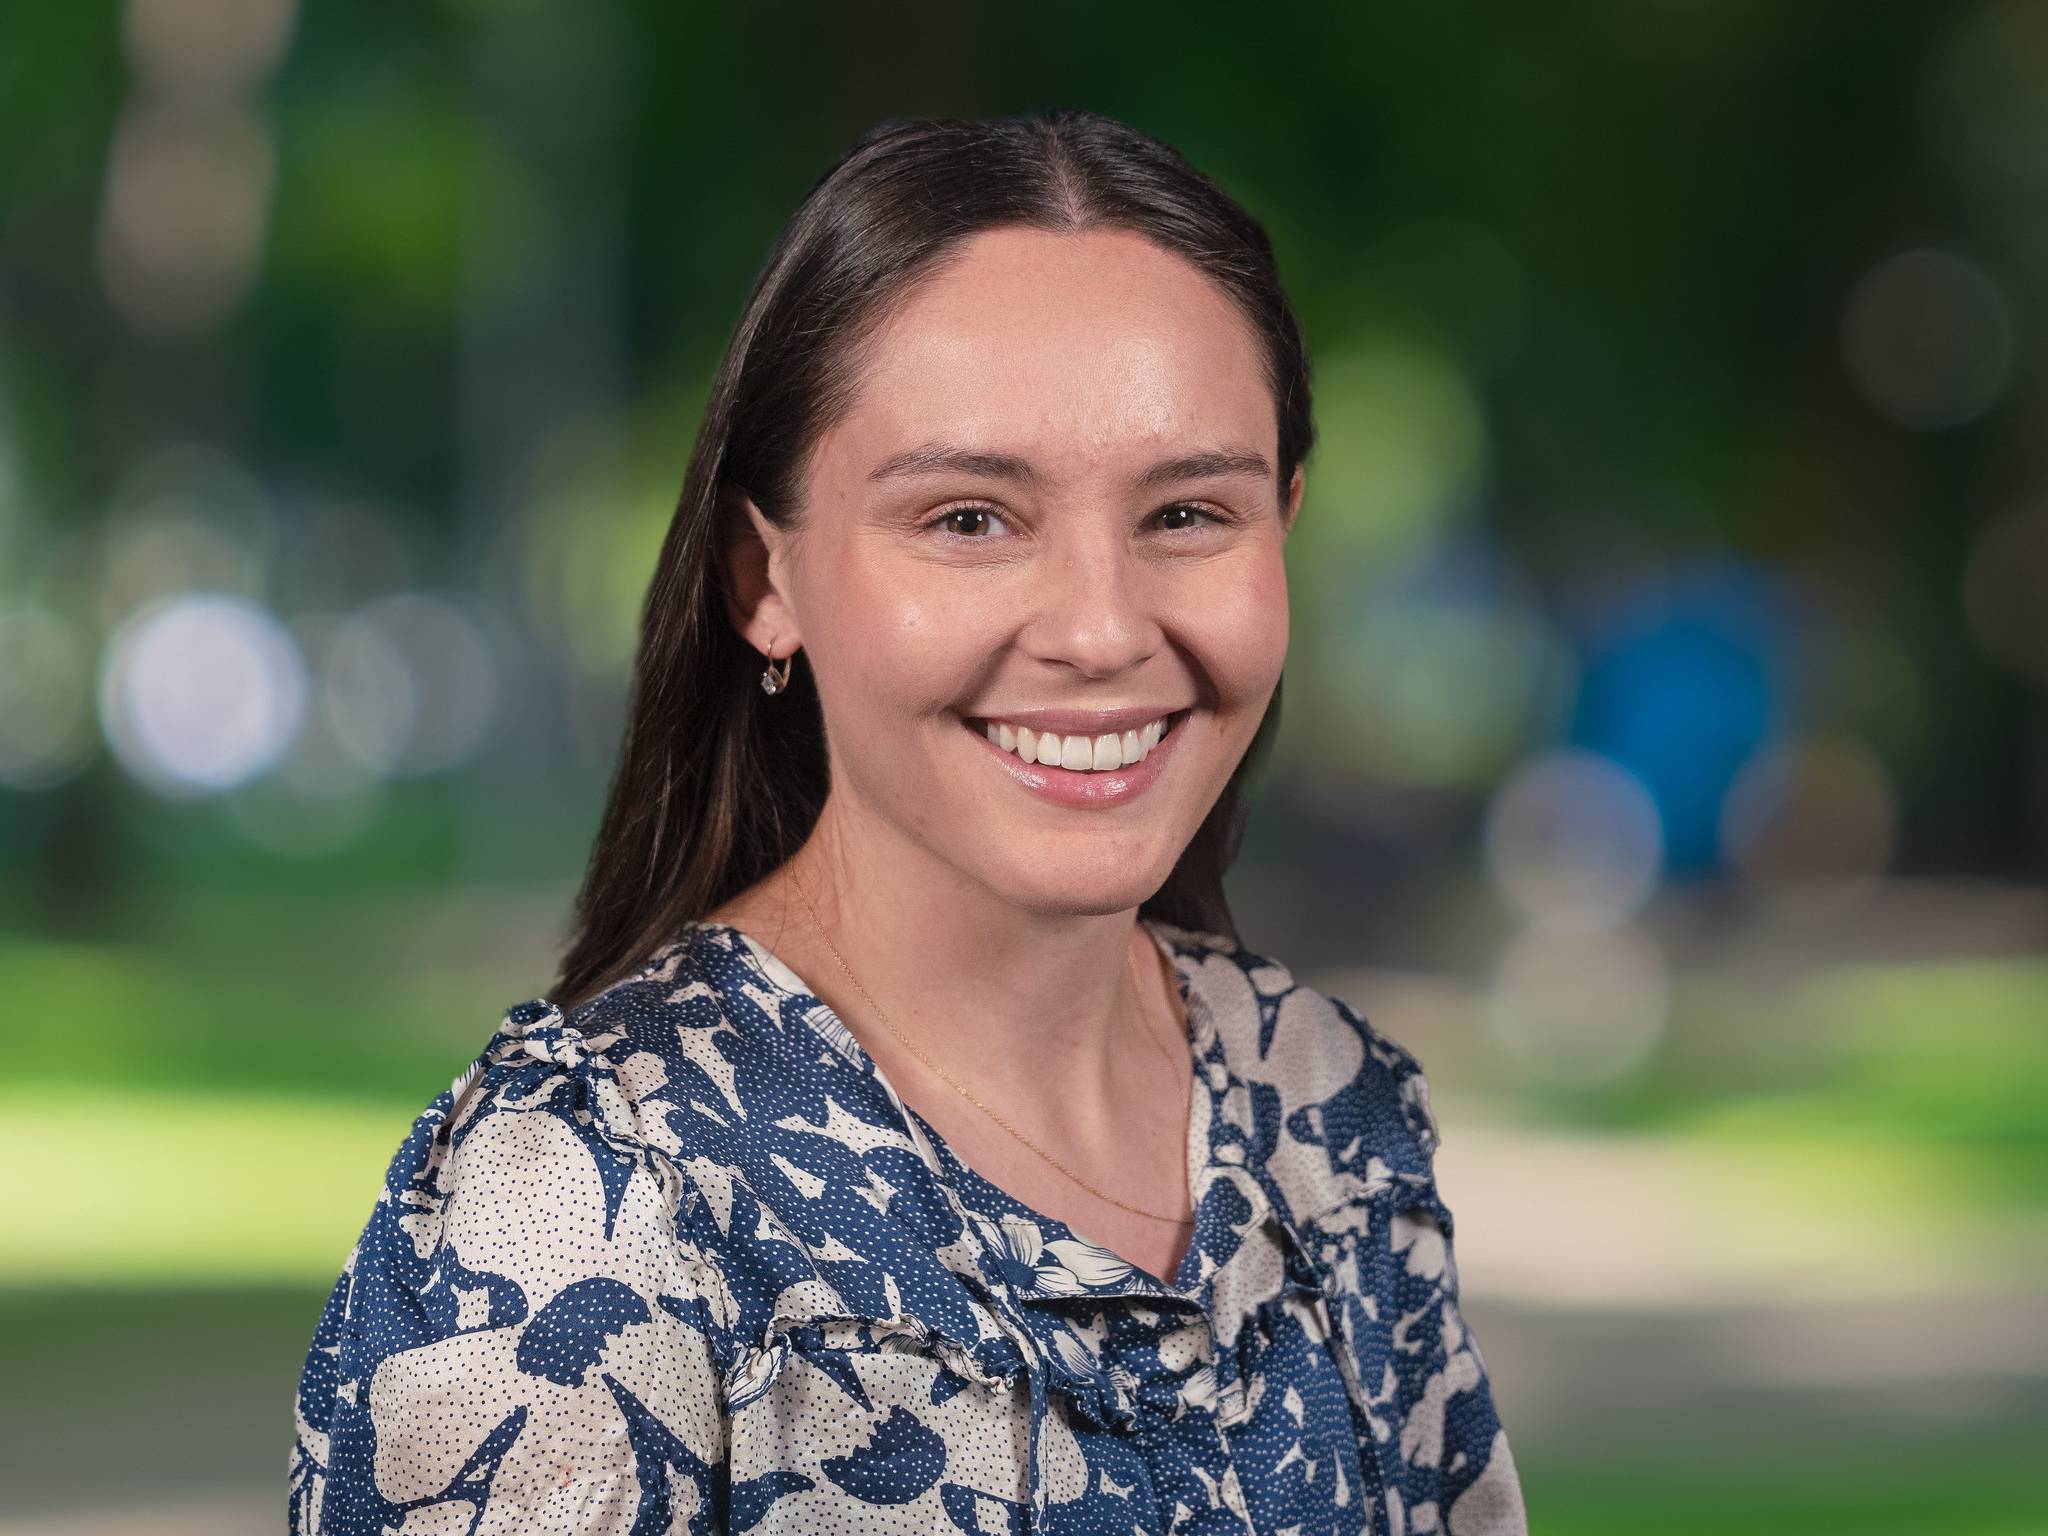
<point>1052,504</point>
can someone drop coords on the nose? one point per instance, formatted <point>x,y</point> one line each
<point>1091,604</point>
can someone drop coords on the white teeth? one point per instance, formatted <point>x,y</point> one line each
<point>1092,754</point>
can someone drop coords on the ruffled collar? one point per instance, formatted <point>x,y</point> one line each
<point>1247,1250</point>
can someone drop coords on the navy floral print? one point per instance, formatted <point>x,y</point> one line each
<point>683,1261</point>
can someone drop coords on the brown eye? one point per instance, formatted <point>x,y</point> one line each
<point>1190,508</point>
<point>976,522</point>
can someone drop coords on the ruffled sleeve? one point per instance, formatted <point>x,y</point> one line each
<point>521,1339</point>
<point>1421,1385</point>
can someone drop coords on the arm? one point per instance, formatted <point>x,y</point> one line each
<point>519,1332</point>
<point>1453,1450</point>
<point>1450,1449</point>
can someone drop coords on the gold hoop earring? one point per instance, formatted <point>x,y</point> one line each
<point>771,681</point>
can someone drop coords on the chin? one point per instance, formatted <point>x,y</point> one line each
<point>1105,909</point>
<point>1093,898</point>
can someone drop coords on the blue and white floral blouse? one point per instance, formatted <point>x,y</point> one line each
<point>683,1261</point>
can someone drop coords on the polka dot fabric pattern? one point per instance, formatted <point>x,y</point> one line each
<point>683,1261</point>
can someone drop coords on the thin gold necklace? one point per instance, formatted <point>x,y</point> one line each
<point>949,1080</point>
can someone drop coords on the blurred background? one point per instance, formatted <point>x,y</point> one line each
<point>1665,736</point>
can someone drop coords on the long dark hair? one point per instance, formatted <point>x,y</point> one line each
<point>717,784</point>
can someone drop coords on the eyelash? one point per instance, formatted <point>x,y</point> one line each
<point>973,538</point>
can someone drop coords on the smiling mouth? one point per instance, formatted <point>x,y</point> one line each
<point>1078,753</point>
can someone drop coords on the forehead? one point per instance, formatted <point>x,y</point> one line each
<point>1075,349</point>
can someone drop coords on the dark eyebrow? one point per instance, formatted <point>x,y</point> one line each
<point>932,458</point>
<point>1207,465</point>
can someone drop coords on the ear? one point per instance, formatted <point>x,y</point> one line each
<point>754,555</point>
<point>1292,508</point>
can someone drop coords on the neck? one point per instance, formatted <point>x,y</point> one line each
<point>1031,1007</point>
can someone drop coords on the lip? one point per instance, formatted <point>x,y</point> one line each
<point>1075,788</point>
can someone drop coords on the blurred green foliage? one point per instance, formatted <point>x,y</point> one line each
<point>1575,280</point>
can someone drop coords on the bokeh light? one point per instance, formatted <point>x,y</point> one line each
<point>1682,680</point>
<point>188,184</point>
<point>323,794</point>
<point>368,699</point>
<point>1579,1010</point>
<point>1981,98</point>
<point>1574,843</point>
<point>189,518</point>
<point>594,522</point>
<point>1811,823</point>
<point>2005,592</point>
<point>1665,750</point>
<point>1927,337</point>
<point>1403,451</point>
<point>333,555</point>
<point>187,200</point>
<point>206,50</point>
<point>45,698</point>
<point>1439,670</point>
<point>410,684</point>
<point>200,692</point>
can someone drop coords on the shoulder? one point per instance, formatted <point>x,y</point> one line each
<point>551,1165</point>
<point>674,1036</point>
<point>571,1116</point>
<point>1336,1099</point>
<point>719,1060</point>
<point>525,1259</point>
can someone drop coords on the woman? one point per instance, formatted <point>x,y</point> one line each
<point>908,1144</point>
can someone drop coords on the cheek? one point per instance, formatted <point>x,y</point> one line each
<point>1241,632</point>
<point>899,640</point>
